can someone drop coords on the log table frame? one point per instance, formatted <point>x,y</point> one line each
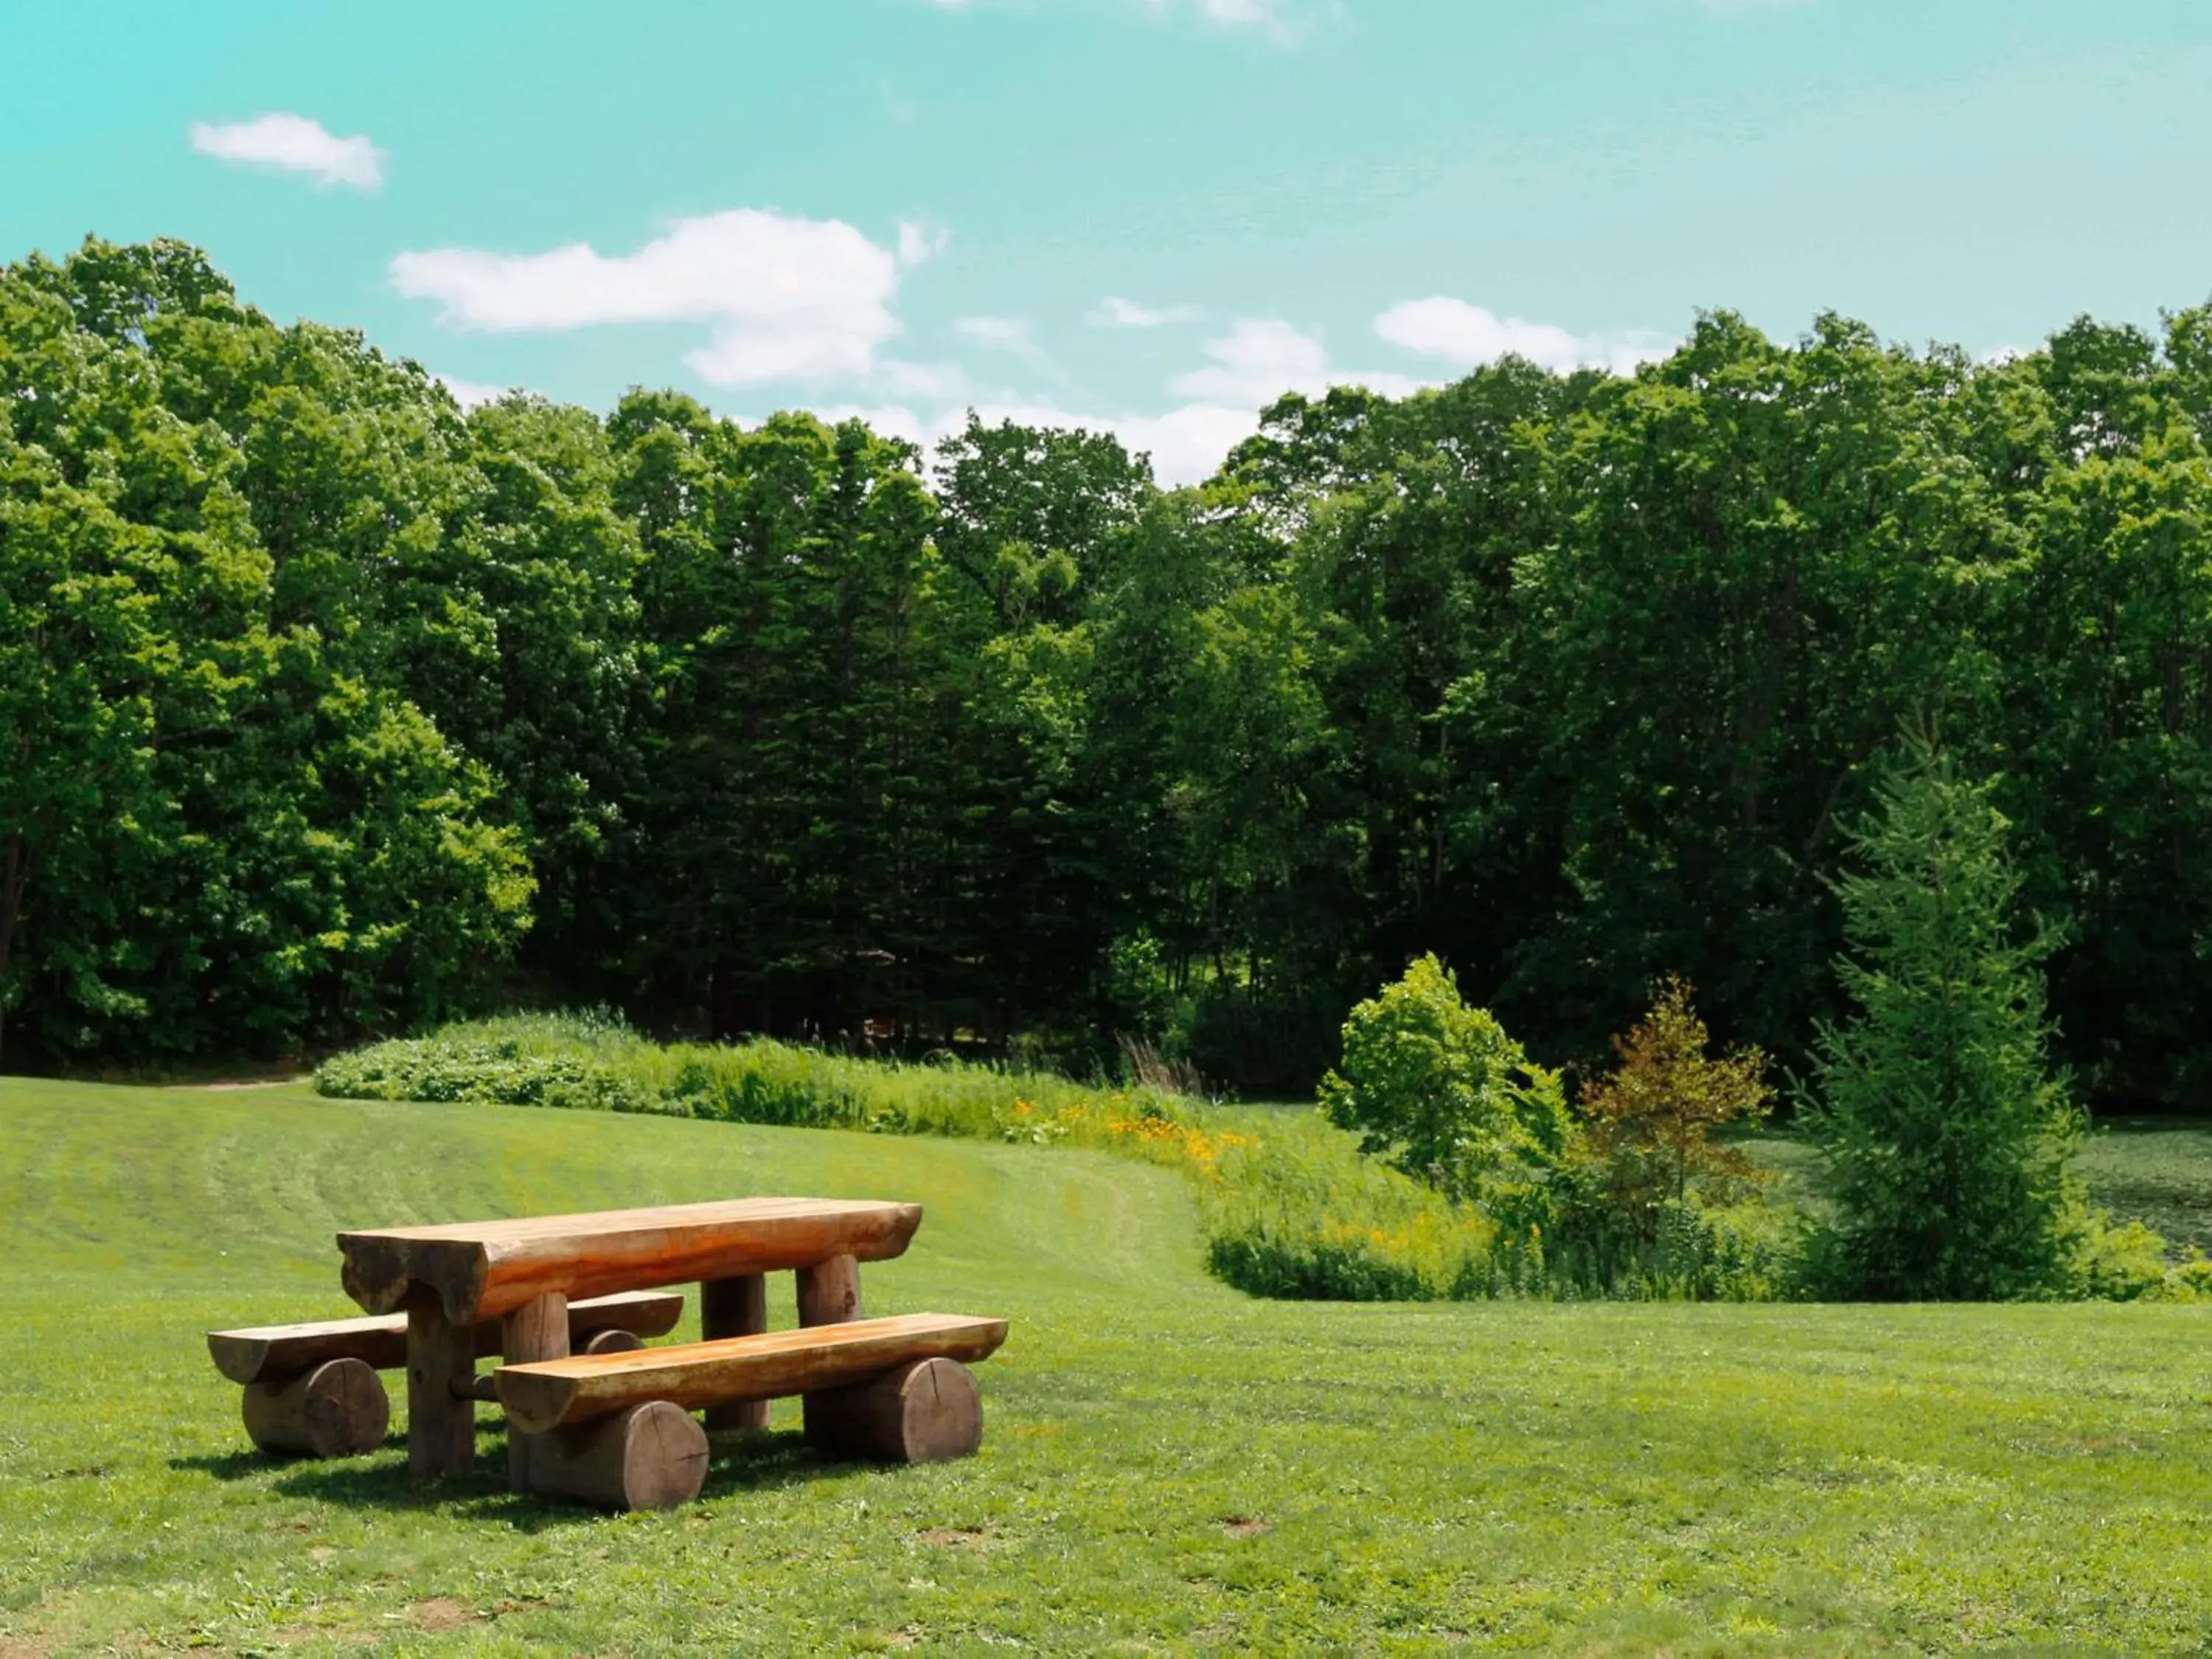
<point>450,1278</point>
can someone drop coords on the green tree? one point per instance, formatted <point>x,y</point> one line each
<point>1945,1136</point>
<point>1440,1090</point>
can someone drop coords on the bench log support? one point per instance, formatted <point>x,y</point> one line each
<point>925,1412</point>
<point>336,1410</point>
<point>652,1457</point>
<point>735,1307</point>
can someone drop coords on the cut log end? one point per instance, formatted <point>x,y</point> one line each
<point>609,1342</point>
<point>926,1412</point>
<point>652,1457</point>
<point>336,1410</point>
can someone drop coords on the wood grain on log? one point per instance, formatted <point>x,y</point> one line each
<point>727,1307</point>
<point>922,1412</point>
<point>267,1353</point>
<point>480,1269</point>
<point>441,1436</point>
<point>333,1411</point>
<point>537,1330</point>
<point>577,1389</point>
<point>652,1457</point>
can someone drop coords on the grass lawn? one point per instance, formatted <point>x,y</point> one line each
<point>1167,1467</point>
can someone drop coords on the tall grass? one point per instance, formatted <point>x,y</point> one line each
<point>593,1062</point>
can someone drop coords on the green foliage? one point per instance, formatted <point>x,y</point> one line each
<point>1946,1136</point>
<point>1439,1090</point>
<point>329,710</point>
<point>224,822</point>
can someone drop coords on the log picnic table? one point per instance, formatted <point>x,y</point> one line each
<point>612,1424</point>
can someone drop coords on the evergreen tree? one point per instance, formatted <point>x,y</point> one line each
<point>1945,1135</point>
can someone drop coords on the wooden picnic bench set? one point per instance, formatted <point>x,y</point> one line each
<point>567,1302</point>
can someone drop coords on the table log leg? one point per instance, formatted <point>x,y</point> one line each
<point>735,1307</point>
<point>828,1294</point>
<point>441,1423</point>
<point>830,1291</point>
<point>537,1330</point>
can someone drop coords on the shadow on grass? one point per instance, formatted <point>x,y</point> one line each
<point>739,1463</point>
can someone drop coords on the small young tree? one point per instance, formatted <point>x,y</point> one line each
<point>1649,1124</point>
<point>1440,1090</point>
<point>1945,1136</point>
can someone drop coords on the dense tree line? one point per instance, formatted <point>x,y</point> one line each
<point>329,709</point>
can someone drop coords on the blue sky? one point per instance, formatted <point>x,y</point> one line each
<point>1154,214</point>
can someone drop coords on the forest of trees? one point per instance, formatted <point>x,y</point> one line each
<point>328,710</point>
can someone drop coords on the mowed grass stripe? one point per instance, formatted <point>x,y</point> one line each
<point>1167,1465</point>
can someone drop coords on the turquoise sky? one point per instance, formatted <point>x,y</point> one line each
<point>1280,192</point>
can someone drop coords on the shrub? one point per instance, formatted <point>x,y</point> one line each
<point>1647,1126</point>
<point>1439,1091</point>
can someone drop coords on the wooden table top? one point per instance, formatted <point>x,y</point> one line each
<point>482,1269</point>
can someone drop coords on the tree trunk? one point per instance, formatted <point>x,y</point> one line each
<point>14,875</point>
<point>722,996</point>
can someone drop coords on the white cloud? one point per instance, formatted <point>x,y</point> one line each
<point>469,394</point>
<point>785,298</point>
<point>1186,445</point>
<point>296,145</point>
<point>998,333</point>
<point>918,242</point>
<point>1236,13</point>
<point>932,382</point>
<point>1007,334</point>
<point>1113,311</point>
<point>1259,359</point>
<point>1254,364</point>
<point>1276,18</point>
<point>1468,336</point>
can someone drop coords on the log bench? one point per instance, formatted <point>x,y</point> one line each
<point>312,1390</point>
<point>616,1428</point>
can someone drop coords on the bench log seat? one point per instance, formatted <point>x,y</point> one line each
<point>616,1428</point>
<point>311,1389</point>
<point>265,1353</point>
